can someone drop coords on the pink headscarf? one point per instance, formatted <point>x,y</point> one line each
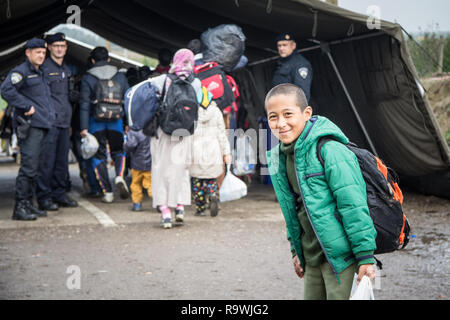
<point>183,63</point>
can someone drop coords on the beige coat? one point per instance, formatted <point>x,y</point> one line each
<point>210,144</point>
<point>171,183</point>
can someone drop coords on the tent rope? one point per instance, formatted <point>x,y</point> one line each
<point>268,7</point>
<point>421,48</point>
<point>314,28</point>
<point>8,9</point>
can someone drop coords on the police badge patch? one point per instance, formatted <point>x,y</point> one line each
<point>16,77</point>
<point>303,72</point>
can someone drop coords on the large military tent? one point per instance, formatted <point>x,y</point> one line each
<point>364,78</point>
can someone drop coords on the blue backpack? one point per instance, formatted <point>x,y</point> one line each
<point>141,104</point>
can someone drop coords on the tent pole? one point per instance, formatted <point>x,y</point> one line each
<point>326,49</point>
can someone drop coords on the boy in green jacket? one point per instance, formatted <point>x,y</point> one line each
<point>325,208</point>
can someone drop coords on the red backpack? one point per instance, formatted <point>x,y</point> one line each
<point>222,86</point>
<point>234,88</point>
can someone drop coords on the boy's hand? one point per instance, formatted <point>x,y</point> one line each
<point>298,267</point>
<point>366,270</point>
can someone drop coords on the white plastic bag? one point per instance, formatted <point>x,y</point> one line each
<point>232,187</point>
<point>89,146</point>
<point>362,291</point>
<point>244,156</point>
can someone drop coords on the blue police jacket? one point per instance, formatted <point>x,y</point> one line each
<point>101,70</point>
<point>58,77</point>
<point>294,69</point>
<point>25,87</point>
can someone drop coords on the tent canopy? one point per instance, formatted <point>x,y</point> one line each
<point>146,26</point>
<point>354,65</point>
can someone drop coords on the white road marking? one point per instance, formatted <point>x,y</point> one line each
<point>102,217</point>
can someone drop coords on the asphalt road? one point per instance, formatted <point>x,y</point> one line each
<point>106,251</point>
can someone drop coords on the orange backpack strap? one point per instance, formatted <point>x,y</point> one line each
<point>382,168</point>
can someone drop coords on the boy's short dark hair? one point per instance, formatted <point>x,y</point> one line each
<point>100,54</point>
<point>289,89</point>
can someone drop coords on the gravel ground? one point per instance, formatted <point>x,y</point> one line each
<point>241,254</point>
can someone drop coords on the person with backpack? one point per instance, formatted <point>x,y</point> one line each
<point>180,94</point>
<point>327,217</point>
<point>209,151</point>
<point>101,114</point>
<point>225,95</point>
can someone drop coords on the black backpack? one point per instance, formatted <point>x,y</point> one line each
<point>108,103</point>
<point>178,111</point>
<point>384,199</point>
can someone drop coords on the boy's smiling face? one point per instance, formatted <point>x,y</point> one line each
<point>286,119</point>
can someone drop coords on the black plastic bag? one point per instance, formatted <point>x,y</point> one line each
<point>224,44</point>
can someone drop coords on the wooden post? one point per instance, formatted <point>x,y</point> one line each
<point>440,54</point>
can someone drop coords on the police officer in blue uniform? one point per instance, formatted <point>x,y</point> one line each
<point>53,169</point>
<point>292,67</point>
<point>26,89</point>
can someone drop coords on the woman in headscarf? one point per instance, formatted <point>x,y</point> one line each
<point>171,155</point>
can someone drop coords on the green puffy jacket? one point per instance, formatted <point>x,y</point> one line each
<point>334,197</point>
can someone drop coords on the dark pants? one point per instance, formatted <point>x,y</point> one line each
<point>107,133</point>
<point>76,149</point>
<point>52,180</point>
<point>30,151</point>
<point>92,179</point>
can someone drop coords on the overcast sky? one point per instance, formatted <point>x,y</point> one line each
<point>411,14</point>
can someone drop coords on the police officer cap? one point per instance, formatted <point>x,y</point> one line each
<point>59,36</point>
<point>35,43</point>
<point>285,36</point>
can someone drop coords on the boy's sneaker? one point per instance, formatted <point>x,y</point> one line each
<point>122,187</point>
<point>214,205</point>
<point>166,223</point>
<point>179,215</point>
<point>108,197</point>
<point>136,207</point>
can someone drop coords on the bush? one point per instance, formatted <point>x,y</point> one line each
<point>424,50</point>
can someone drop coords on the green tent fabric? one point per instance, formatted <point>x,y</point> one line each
<point>374,65</point>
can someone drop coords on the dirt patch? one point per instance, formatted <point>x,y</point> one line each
<point>438,91</point>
